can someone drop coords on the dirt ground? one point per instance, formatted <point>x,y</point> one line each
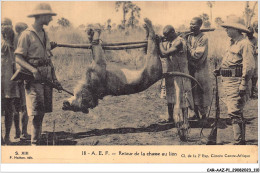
<point>129,120</point>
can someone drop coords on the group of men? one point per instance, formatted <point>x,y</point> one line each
<point>189,54</point>
<point>30,50</point>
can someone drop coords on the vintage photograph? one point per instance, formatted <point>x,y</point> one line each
<point>129,73</point>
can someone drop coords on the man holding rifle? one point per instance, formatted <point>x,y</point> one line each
<point>197,43</point>
<point>33,54</point>
<point>236,70</point>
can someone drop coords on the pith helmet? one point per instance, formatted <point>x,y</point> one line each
<point>42,9</point>
<point>233,22</point>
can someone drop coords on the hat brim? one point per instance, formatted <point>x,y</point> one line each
<point>236,26</point>
<point>41,14</point>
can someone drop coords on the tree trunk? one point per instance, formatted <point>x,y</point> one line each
<point>124,13</point>
<point>132,19</point>
<point>211,15</point>
<point>247,14</point>
<point>251,16</point>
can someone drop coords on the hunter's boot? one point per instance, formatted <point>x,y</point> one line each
<point>239,133</point>
<point>36,130</point>
<point>196,114</point>
<point>170,112</point>
<point>254,92</point>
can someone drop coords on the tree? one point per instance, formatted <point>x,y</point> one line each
<point>64,22</point>
<point>210,4</point>
<point>205,19</point>
<point>135,14</point>
<point>125,8</point>
<point>218,21</point>
<point>82,27</point>
<point>108,25</point>
<point>249,13</point>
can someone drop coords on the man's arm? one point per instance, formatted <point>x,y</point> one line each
<point>198,52</point>
<point>248,64</point>
<point>20,60</point>
<point>176,46</point>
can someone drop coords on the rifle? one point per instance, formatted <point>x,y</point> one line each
<point>212,139</point>
<point>53,85</point>
<point>23,74</point>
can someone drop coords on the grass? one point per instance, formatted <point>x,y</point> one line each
<point>70,63</point>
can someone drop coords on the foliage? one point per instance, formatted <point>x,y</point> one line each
<point>64,22</point>
<point>125,9</point>
<point>205,19</point>
<point>210,5</point>
<point>128,6</point>
<point>249,13</point>
<point>135,15</point>
<point>218,21</point>
<point>108,25</point>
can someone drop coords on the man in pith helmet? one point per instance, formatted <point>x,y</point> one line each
<point>236,70</point>
<point>33,53</point>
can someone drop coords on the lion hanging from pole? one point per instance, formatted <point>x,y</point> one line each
<point>99,80</point>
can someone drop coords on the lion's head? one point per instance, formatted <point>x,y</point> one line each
<point>87,93</point>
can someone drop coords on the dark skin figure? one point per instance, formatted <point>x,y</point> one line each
<point>195,26</point>
<point>170,35</point>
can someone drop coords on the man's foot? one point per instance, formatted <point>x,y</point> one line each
<point>239,143</point>
<point>17,135</point>
<point>182,135</point>
<point>195,117</point>
<point>25,136</point>
<point>254,92</point>
<point>7,141</point>
<point>228,121</point>
<point>167,121</point>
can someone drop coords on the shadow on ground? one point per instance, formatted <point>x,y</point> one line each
<point>67,138</point>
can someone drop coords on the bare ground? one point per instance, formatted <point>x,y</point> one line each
<point>129,120</point>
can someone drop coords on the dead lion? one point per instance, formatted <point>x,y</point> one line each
<point>100,80</point>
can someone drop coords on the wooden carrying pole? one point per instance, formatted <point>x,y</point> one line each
<point>123,45</point>
<point>109,46</point>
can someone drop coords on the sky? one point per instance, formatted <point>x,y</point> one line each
<point>163,13</point>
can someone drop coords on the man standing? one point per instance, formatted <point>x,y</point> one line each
<point>236,70</point>
<point>9,89</point>
<point>33,53</point>
<point>178,89</point>
<point>197,44</point>
<point>253,39</point>
<point>21,103</point>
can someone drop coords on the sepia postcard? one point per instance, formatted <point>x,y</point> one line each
<point>129,82</point>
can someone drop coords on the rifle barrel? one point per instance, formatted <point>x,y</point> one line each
<point>70,93</point>
<point>124,47</point>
